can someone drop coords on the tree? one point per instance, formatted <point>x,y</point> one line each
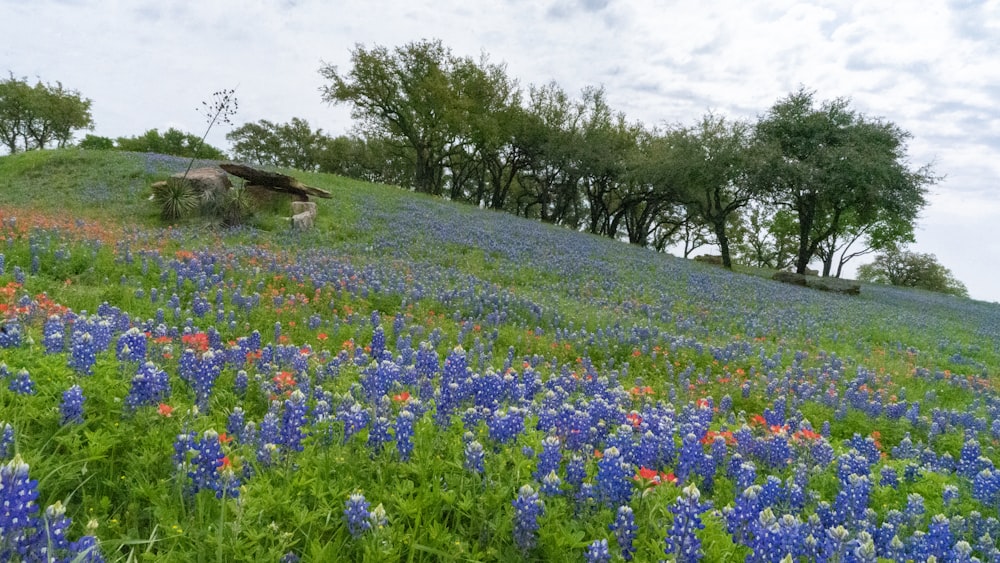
<point>765,237</point>
<point>96,143</point>
<point>905,268</point>
<point>290,145</point>
<point>705,163</point>
<point>834,168</point>
<point>36,117</point>
<point>173,142</point>
<point>405,95</point>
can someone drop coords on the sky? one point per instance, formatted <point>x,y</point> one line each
<point>930,67</point>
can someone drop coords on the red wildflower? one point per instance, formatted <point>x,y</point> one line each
<point>165,410</point>
<point>634,419</point>
<point>401,397</point>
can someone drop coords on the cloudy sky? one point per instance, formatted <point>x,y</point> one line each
<point>931,67</point>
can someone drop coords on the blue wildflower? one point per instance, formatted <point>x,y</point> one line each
<point>357,515</point>
<point>597,552</point>
<point>71,407</point>
<point>682,540</point>
<point>625,529</point>
<point>527,509</point>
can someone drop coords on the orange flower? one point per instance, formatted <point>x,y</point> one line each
<point>225,438</point>
<point>321,336</point>
<point>165,410</point>
<point>401,397</point>
<point>634,419</point>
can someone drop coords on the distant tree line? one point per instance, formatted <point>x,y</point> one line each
<point>173,142</point>
<point>807,180</point>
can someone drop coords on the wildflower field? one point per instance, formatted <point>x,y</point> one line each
<point>415,380</point>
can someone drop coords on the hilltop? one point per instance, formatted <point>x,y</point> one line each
<point>474,321</point>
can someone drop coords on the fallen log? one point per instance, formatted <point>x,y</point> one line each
<point>273,180</point>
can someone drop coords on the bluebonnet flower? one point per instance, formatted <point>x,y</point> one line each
<point>378,434</point>
<point>83,352</point>
<point>6,440</point>
<point>527,509</point>
<point>378,518</point>
<point>236,423</point>
<point>240,382</point>
<point>682,540</point>
<point>968,461</point>
<point>613,478</point>
<point>939,539</point>
<point>357,515</point>
<point>268,439</point>
<point>691,456</point>
<point>950,494</point>
<point>354,417</point>
<point>211,469</point>
<point>21,383</point>
<point>550,457</point>
<point>54,335</point>
<point>10,336</point>
<point>551,484</point>
<point>597,552</point>
<point>18,492</point>
<point>474,458</point>
<point>150,386</point>
<point>378,343</point>
<point>404,434</point>
<point>71,407</point>
<point>625,529</point>
<point>505,426</point>
<point>889,478</point>
<point>914,507</point>
<point>576,470</point>
<point>292,421</point>
<point>131,346</point>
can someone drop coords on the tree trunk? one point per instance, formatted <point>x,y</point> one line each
<point>720,235</point>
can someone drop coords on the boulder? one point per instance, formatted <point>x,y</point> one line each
<point>833,285</point>
<point>302,221</point>
<point>304,207</point>
<point>207,181</point>
<point>790,277</point>
<point>709,259</point>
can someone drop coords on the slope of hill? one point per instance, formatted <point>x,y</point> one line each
<point>437,359</point>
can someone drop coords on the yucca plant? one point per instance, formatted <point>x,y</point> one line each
<point>176,198</point>
<point>234,206</point>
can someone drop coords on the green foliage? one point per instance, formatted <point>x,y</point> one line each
<point>40,116</point>
<point>176,199</point>
<point>906,268</point>
<point>173,142</point>
<point>838,171</point>
<point>289,145</point>
<point>96,143</point>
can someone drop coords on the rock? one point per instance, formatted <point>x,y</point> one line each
<point>302,221</point>
<point>304,207</point>
<point>273,181</point>
<point>207,181</point>
<point>790,277</point>
<point>709,259</point>
<point>833,285</point>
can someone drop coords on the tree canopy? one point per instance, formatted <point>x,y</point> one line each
<point>40,116</point>
<point>838,171</point>
<point>901,267</point>
<point>173,142</point>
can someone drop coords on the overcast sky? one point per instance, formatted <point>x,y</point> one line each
<point>930,66</point>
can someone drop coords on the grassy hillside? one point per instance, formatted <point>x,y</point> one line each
<point>240,385</point>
